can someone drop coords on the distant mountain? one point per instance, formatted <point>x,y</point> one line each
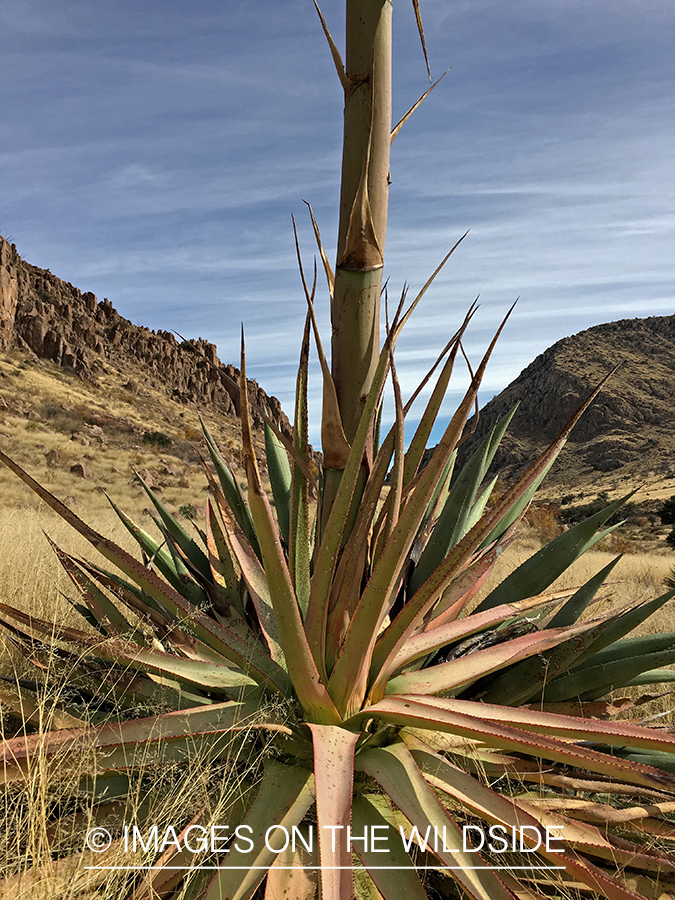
<point>51,320</point>
<point>626,438</point>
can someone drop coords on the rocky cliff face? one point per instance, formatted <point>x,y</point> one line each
<point>50,318</point>
<point>630,428</point>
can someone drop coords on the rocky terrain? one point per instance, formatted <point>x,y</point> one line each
<point>88,399</point>
<point>50,319</point>
<point>626,438</point>
<point>131,382</point>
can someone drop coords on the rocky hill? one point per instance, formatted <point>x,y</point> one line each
<point>88,401</point>
<point>51,320</point>
<point>625,439</point>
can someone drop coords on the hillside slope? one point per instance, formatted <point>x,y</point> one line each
<point>52,320</point>
<point>626,438</point>
<point>87,398</point>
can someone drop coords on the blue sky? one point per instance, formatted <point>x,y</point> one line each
<point>153,152</point>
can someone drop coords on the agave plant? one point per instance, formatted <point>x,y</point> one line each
<point>418,723</point>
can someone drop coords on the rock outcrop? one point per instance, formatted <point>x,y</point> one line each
<point>54,320</point>
<point>630,428</point>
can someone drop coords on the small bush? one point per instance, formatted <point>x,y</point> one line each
<point>188,511</point>
<point>573,514</point>
<point>544,518</point>
<point>667,511</point>
<point>157,439</point>
<point>192,434</point>
<point>670,540</point>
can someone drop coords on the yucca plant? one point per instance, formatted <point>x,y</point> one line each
<point>414,729</point>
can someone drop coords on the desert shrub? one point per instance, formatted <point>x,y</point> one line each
<point>192,434</point>
<point>65,419</point>
<point>544,519</point>
<point>578,513</point>
<point>667,511</point>
<point>157,439</point>
<point>670,540</point>
<point>188,511</point>
<point>184,450</point>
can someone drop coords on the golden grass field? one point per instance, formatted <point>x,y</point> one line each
<point>32,579</point>
<point>31,425</point>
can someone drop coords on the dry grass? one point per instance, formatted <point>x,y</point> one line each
<point>50,421</point>
<point>30,845</point>
<point>32,579</point>
<point>44,823</point>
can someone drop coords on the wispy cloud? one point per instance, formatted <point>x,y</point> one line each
<point>153,153</point>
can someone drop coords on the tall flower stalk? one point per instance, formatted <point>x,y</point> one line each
<point>364,198</point>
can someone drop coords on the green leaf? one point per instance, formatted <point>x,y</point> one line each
<point>438,714</point>
<point>426,423</point>
<point>420,604</point>
<point>308,686</point>
<point>188,545</point>
<point>628,621</point>
<point>525,680</point>
<point>231,490</point>
<point>590,682</point>
<point>652,676</point>
<point>453,522</point>
<point>558,725</point>
<point>457,674</point>
<point>32,712</point>
<point>395,770</point>
<point>168,563</point>
<point>209,675</point>
<point>570,611</point>
<point>326,554</point>
<point>334,782</point>
<point>280,480</point>
<point>221,558</point>
<point>638,646</point>
<point>542,569</point>
<point>420,645</point>
<point>654,758</point>
<point>155,740</point>
<point>299,537</point>
<point>101,608</point>
<point>284,796</point>
<point>255,578</point>
<point>392,871</point>
<point>295,872</point>
<point>491,807</point>
<point>478,508</point>
<point>348,682</point>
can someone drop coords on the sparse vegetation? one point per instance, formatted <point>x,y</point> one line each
<point>157,439</point>
<point>188,511</point>
<point>667,511</point>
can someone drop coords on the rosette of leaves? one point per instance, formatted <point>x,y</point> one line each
<point>399,701</point>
